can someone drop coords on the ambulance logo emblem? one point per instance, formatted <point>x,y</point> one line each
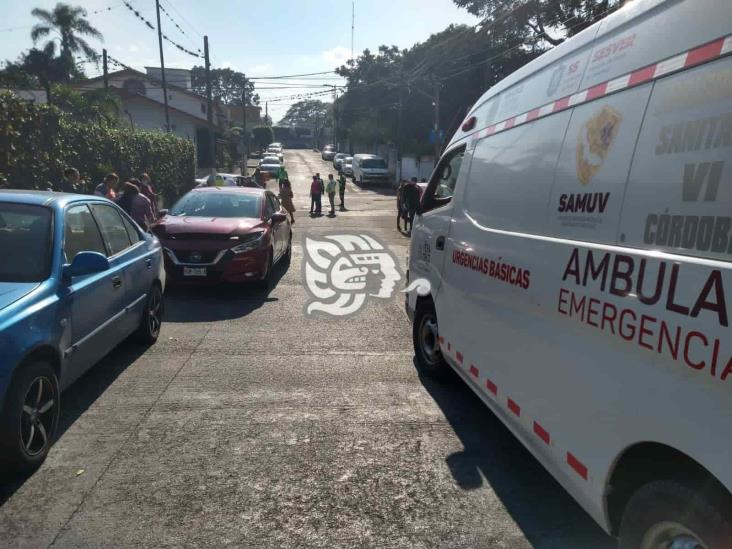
<point>595,138</point>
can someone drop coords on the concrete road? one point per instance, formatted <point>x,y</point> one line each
<point>252,426</point>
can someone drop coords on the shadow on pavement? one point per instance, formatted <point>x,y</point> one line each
<point>386,189</point>
<point>219,302</point>
<point>79,397</point>
<point>545,512</point>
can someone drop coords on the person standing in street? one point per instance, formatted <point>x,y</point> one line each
<point>315,193</point>
<point>411,203</point>
<point>147,189</point>
<point>342,191</point>
<point>281,175</point>
<point>258,179</point>
<point>286,196</point>
<point>107,188</point>
<point>136,205</point>
<point>70,182</point>
<point>331,190</point>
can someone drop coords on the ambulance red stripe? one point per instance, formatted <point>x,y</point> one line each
<point>577,465</point>
<point>541,432</point>
<point>514,407</point>
<point>474,371</point>
<point>701,54</point>
<point>459,357</point>
<point>492,387</point>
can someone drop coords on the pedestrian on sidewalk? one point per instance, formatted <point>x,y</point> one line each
<point>320,180</point>
<point>107,188</point>
<point>286,196</point>
<point>315,193</point>
<point>331,190</point>
<point>342,191</point>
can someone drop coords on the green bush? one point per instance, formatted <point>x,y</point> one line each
<point>38,141</point>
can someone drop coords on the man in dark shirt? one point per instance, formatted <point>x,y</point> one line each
<point>70,181</point>
<point>410,195</point>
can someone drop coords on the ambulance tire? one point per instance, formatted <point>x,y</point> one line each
<point>667,513</point>
<point>426,345</point>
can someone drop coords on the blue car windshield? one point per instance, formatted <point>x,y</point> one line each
<point>25,242</point>
<point>217,204</point>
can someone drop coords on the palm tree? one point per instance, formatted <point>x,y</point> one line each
<point>44,66</point>
<point>70,24</point>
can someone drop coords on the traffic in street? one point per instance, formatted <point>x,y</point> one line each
<point>252,425</point>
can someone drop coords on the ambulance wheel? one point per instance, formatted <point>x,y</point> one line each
<point>426,343</point>
<point>666,513</point>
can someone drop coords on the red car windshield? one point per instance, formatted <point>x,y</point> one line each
<point>217,204</point>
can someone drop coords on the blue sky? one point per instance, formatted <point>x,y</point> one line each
<point>260,38</point>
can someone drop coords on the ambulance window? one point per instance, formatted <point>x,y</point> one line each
<point>441,187</point>
<point>679,195</point>
<point>511,175</point>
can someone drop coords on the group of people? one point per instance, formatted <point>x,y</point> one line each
<point>135,196</point>
<point>318,188</point>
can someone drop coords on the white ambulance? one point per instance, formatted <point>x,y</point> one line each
<point>577,237</point>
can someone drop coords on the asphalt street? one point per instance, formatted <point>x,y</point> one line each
<point>250,425</point>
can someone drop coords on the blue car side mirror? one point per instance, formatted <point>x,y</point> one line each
<point>86,263</point>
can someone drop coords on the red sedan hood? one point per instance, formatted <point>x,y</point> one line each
<point>208,225</point>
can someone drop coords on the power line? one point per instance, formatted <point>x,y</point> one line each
<point>183,18</point>
<point>148,24</point>
<point>184,33</point>
<point>289,75</point>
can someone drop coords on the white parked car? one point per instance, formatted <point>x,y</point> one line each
<point>575,246</point>
<point>347,166</point>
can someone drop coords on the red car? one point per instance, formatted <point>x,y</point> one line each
<point>224,234</point>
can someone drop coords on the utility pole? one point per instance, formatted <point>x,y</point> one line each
<point>399,138</point>
<point>353,24</point>
<point>162,69</point>
<point>244,135</point>
<point>335,119</point>
<point>209,108</point>
<point>436,103</point>
<point>105,69</point>
<point>266,113</point>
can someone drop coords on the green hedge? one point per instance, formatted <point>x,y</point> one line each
<point>38,141</point>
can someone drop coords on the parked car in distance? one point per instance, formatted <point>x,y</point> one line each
<point>78,276</point>
<point>328,152</point>
<point>276,151</point>
<point>270,165</point>
<point>369,168</point>
<point>338,160</point>
<point>347,166</point>
<point>576,249</point>
<point>224,234</point>
<point>222,180</point>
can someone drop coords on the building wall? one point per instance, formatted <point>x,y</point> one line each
<point>149,116</point>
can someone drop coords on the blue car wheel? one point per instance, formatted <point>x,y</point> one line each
<point>30,417</point>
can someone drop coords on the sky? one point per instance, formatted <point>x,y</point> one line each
<point>259,38</point>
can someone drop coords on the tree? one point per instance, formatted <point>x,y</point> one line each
<point>549,20</point>
<point>36,68</point>
<point>226,85</point>
<point>102,106</point>
<point>307,113</point>
<point>262,136</point>
<point>70,24</point>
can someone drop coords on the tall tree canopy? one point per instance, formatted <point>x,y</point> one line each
<point>226,85</point>
<point>308,113</point>
<point>550,20</point>
<point>36,68</point>
<point>70,24</point>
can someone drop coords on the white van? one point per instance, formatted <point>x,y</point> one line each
<point>577,240</point>
<point>369,168</point>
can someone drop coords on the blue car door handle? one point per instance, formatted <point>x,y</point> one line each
<point>116,282</point>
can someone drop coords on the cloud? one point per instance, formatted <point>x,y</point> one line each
<point>337,56</point>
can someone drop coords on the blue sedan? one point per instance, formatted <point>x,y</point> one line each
<point>77,277</point>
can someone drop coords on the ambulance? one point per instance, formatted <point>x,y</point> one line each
<point>571,262</point>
